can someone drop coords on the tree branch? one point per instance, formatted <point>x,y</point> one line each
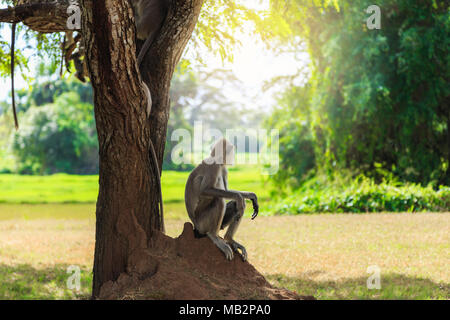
<point>41,16</point>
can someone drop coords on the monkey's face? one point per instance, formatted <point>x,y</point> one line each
<point>223,152</point>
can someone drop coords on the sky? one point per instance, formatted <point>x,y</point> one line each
<point>253,65</point>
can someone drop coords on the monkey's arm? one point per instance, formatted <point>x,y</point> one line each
<point>227,194</point>
<point>247,195</point>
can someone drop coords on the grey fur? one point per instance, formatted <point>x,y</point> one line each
<point>205,194</point>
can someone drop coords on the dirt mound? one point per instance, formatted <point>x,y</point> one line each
<point>190,268</point>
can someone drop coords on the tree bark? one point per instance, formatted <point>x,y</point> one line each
<point>127,204</point>
<point>122,223</point>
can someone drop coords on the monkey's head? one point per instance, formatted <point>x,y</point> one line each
<point>223,152</point>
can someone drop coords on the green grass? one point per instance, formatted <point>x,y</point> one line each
<point>343,194</point>
<point>64,188</point>
<point>58,188</point>
<point>48,223</point>
<point>25,282</point>
<point>34,192</point>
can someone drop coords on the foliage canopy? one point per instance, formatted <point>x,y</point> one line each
<point>377,100</point>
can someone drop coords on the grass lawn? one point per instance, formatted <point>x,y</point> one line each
<point>81,191</point>
<point>322,255</point>
<point>48,224</point>
<point>64,188</point>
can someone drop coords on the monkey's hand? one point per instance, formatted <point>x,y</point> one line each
<point>255,207</point>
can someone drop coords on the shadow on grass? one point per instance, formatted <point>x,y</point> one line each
<point>25,282</point>
<point>28,282</point>
<point>393,286</point>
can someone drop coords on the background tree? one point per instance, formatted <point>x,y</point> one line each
<point>58,137</point>
<point>377,99</point>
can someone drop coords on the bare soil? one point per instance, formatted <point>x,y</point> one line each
<point>189,268</point>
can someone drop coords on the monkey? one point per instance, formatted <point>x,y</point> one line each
<point>205,193</point>
<point>149,17</point>
<point>80,66</point>
<point>70,45</point>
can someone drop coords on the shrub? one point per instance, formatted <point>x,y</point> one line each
<point>361,194</point>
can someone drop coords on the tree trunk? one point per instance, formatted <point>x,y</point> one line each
<point>127,204</point>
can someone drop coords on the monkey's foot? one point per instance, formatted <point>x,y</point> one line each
<point>235,245</point>
<point>222,245</point>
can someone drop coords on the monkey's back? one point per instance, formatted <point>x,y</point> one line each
<point>191,198</point>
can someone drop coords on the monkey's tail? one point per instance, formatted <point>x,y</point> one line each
<point>158,178</point>
<point>13,45</point>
